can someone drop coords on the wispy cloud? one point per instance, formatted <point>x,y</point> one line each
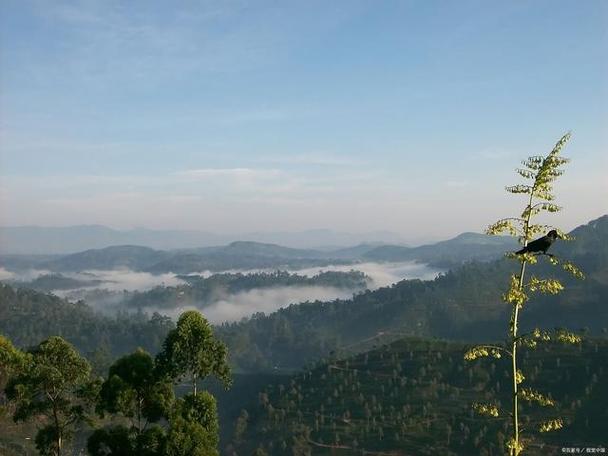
<point>457,183</point>
<point>236,173</point>
<point>111,36</point>
<point>313,158</point>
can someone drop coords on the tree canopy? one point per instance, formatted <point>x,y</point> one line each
<point>191,350</point>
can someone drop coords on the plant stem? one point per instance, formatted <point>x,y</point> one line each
<point>514,320</point>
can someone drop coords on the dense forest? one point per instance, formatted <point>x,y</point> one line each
<point>462,304</point>
<point>416,395</point>
<point>28,316</point>
<point>131,410</point>
<point>348,347</point>
<point>200,291</point>
<point>195,291</point>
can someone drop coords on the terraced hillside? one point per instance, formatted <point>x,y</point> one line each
<point>414,397</point>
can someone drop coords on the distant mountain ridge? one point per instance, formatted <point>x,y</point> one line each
<point>133,257</point>
<point>463,304</point>
<point>252,255</point>
<point>464,247</point>
<point>37,240</point>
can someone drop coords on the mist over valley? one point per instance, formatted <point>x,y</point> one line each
<point>235,228</point>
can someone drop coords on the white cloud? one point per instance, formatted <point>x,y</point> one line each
<point>268,300</point>
<point>382,274</point>
<point>231,307</point>
<point>457,183</point>
<point>313,158</point>
<point>5,274</point>
<point>236,173</point>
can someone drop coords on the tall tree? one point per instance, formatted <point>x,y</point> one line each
<point>134,391</point>
<point>540,173</point>
<point>191,351</point>
<point>55,384</point>
<point>193,427</point>
<point>12,361</point>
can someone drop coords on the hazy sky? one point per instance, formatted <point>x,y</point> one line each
<point>235,116</point>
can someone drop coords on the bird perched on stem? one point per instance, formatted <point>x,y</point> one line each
<point>540,245</point>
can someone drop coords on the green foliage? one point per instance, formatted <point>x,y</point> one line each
<point>241,425</point>
<point>114,440</point>
<point>414,397</point>
<point>191,350</point>
<point>464,304</point>
<point>54,383</point>
<point>542,173</point>
<point>193,428</point>
<point>558,335</point>
<point>531,395</point>
<point>486,409</point>
<point>202,291</point>
<point>483,351</point>
<point>135,391</point>
<point>140,389</point>
<point>120,441</point>
<point>12,360</point>
<point>47,438</point>
<point>551,425</point>
<point>28,316</point>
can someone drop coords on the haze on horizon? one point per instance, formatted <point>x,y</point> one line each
<point>238,117</point>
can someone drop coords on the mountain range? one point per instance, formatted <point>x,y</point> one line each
<point>40,240</point>
<point>252,255</point>
<point>364,378</point>
<point>462,304</point>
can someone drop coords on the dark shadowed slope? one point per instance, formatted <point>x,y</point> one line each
<point>414,397</point>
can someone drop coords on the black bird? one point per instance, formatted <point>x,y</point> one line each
<point>541,244</point>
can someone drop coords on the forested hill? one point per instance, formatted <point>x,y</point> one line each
<point>28,316</point>
<point>462,304</point>
<point>255,255</point>
<point>414,397</point>
<point>238,255</point>
<point>200,291</point>
<point>447,254</point>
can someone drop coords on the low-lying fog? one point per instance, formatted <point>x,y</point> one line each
<point>232,307</point>
<point>240,305</point>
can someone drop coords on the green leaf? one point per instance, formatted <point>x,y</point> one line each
<point>551,425</point>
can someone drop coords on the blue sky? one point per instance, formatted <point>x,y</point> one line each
<point>235,116</point>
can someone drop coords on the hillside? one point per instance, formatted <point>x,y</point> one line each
<point>255,255</point>
<point>438,389</point>
<point>463,304</point>
<point>28,316</point>
<point>242,255</point>
<point>446,254</point>
<point>200,292</point>
<point>238,255</point>
<point>124,256</point>
<point>50,282</point>
<point>29,240</point>
<point>414,397</point>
